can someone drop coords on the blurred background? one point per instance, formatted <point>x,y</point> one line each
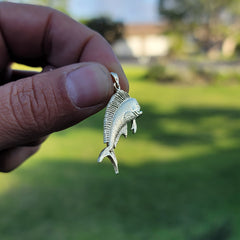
<point>179,175</point>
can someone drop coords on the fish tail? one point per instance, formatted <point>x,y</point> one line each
<point>108,152</point>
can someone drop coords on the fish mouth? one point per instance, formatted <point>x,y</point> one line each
<point>137,113</point>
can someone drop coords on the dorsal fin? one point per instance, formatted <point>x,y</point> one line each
<point>117,99</point>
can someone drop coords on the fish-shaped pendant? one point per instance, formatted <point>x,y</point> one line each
<point>120,110</point>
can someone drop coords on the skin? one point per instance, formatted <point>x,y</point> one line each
<point>34,105</point>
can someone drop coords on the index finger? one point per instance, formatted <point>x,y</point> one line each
<point>37,35</point>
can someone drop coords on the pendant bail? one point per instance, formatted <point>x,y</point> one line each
<point>116,83</point>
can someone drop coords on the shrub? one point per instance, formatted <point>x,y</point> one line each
<point>192,74</point>
<point>160,73</point>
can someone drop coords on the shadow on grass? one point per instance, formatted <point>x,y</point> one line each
<point>191,199</point>
<point>190,124</point>
<point>188,199</point>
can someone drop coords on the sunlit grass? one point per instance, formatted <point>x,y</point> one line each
<point>19,66</point>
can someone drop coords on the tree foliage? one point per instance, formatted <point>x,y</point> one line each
<point>208,22</point>
<point>199,11</point>
<point>110,30</point>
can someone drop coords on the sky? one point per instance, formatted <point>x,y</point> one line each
<point>127,11</point>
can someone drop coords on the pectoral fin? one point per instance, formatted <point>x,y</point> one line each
<point>134,126</point>
<point>123,132</point>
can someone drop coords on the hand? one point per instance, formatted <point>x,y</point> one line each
<point>34,105</point>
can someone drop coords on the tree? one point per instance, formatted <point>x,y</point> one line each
<point>110,30</point>
<point>207,22</point>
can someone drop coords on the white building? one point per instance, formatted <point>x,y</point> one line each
<point>142,42</point>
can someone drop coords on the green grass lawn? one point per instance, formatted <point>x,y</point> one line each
<point>179,175</point>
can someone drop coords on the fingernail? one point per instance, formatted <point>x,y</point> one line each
<point>88,85</point>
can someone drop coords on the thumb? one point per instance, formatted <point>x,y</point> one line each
<point>33,107</point>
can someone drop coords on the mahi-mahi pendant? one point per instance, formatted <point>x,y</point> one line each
<point>120,110</point>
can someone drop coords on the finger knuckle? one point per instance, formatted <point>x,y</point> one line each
<point>29,106</point>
